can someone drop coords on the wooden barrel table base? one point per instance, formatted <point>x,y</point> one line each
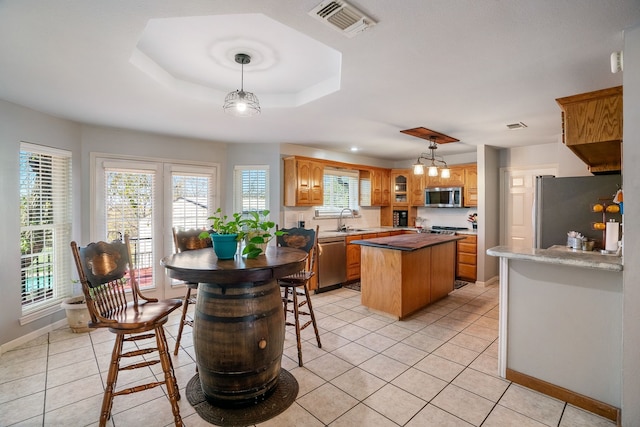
<point>273,403</point>
<point>238,338</point>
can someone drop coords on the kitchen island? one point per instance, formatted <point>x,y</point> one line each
<point>402,274</point>
<point>560,325</point>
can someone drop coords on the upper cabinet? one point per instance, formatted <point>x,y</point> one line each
<point>416,188</point>
<point>592,128</point>
<point>380,194</point>
<point>400,187</point>
<point>470,190</point>
<point>455,180</point>
<point>303,180</point>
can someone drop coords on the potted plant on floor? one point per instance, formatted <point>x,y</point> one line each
<point>257,229</point>
<point>225,233</point>
<point>77,313</point>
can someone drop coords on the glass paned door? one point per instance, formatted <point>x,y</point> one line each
<point>145,199</point>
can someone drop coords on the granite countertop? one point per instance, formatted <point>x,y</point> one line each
<point>560,255</point>
<point>358,231</point>
<point>367,230</point>
<point>408,242</point>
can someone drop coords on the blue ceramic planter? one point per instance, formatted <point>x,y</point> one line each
<point>225,245</point>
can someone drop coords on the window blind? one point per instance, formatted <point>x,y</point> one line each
<point>45,226</point>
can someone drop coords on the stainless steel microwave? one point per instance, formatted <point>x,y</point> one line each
<point>443,197</point>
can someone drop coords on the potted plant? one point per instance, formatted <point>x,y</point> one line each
<point>225,233</point>
<point>473,219</point>
<point>257,230</point>
<point>77,313</point>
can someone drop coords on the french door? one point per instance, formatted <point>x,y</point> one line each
<point>145,199</point>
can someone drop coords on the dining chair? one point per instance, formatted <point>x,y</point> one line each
<point>187,240</point>
<point>296,286</point>
<point>107,277</point>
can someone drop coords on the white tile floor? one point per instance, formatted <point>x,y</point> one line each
<point>437,368</point>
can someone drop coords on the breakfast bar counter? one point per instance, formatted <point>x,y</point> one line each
<point>404,273</point>
<point>560,326</point>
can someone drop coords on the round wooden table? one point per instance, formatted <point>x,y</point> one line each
<point>238,330</point>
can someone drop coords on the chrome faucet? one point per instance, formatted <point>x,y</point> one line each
<point>341,225</point>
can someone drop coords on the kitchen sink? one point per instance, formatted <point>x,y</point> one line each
<point>351,230</point>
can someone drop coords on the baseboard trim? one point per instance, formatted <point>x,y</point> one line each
<point>600,408</point>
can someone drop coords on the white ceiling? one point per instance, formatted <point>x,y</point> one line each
<point>465,68</point>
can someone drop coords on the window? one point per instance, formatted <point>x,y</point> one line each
<point>191,196</point>
<point>251,188</point>
<point>45,227</point>
<point>340,191</point>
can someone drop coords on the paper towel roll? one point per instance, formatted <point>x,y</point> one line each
<point>613,229</point>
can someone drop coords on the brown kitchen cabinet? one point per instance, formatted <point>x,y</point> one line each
<point>416,188</point>
<point>470,191</point>
<point>592,128</point>
<point>400,188</point>
<point>467,258</point>
<point>353,253</point>
<point>303,182</point>
<point>456,178</point>
<point>380,194</point>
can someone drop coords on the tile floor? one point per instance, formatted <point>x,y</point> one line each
<point>437,368</point>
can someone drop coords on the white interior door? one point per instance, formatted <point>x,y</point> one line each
<point>519,187</point>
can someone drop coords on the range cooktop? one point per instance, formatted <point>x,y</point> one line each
<point>442,227</point>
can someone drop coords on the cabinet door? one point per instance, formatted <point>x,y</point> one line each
<point>316,184</point>
<point>304,182</point>
<point>399,189</point>
<point>416,186</point>
<point>457,177</point>
<point>380,187</point>
<point>470,196</point>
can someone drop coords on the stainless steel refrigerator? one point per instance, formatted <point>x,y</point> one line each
<point>561,205</point>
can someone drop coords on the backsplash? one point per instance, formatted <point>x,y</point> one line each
<point>367,217</point>
<point>449,217</point>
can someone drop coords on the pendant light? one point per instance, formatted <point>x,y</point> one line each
<point>240,103</point>
<point>437,166</point>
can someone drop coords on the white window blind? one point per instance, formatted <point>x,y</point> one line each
<point>340,191</point>
<point>251,188</point>
<point>45,227</point>
<point>191,198</point>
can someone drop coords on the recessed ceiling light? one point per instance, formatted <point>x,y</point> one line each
<point>354,149</point>
<point>519,125</point>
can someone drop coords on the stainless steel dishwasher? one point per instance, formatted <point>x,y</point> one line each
<point>332,262</point>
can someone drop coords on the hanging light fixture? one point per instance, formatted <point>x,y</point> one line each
<point>240,103</point>
<point>436,164</point>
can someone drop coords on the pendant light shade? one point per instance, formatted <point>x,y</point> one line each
<point>240,103</point>
<point>433,168</point>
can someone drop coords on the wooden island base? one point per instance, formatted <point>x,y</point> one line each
<point>398,280</point>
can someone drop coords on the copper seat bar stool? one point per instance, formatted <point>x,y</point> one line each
<point>296,286</point>
<point>187,240</point>
<point>106,274</point>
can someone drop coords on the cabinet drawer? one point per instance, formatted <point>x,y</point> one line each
<point>466,258</point>
<point>470,238</point>
<point>469,248</point>
<point>466,271</point>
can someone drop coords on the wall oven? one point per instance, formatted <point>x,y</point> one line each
<point>443,197</point>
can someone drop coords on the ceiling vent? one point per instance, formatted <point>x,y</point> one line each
<point>342,17</point>
<point>518,125</point>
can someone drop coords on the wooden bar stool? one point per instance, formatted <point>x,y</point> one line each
<point>106,274</point>
<point>187,240</point>
<point>296,286</point>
